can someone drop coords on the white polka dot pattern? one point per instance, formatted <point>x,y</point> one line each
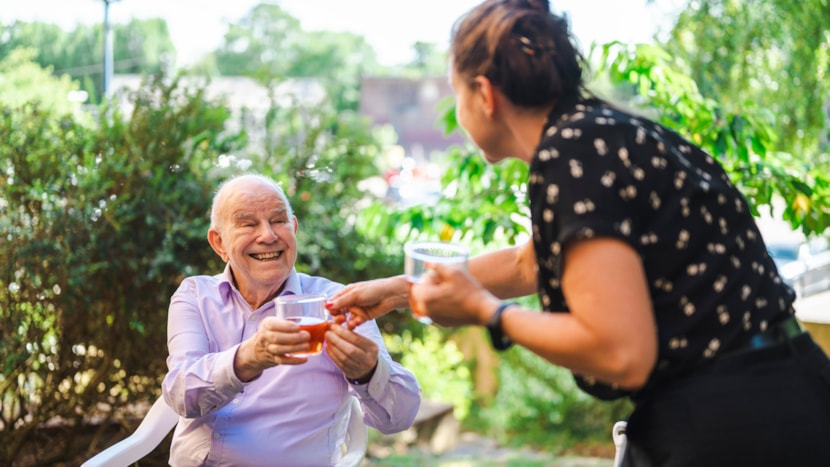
<point>600,172</point>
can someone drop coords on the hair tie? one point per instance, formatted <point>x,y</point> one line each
<point>529,47</point>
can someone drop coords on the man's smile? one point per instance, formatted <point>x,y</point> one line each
<point>266,256</point>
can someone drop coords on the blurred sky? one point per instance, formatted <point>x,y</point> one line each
<point>391,26</point>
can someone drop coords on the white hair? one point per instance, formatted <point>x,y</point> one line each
<point>222,191</point>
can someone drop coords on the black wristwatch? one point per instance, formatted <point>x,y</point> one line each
<point>497,337</point>
<point>366,378</point>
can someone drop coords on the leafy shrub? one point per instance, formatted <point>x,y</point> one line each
<point>100,225</point>
<point>539,404</point>
<point>438,365</point>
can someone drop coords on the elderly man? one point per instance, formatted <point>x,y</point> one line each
<point>245,400</point>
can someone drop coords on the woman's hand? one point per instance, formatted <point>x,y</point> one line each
<point>452,297</point>
<point>364,301</point>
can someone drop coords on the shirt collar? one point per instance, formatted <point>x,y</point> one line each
<point>292,285</point>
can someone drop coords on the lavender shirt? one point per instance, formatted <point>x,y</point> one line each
<point>293,415</point>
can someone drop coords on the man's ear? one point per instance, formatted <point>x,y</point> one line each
<point>215,240</point>
<point>296,224</point>
<point>485,92</point>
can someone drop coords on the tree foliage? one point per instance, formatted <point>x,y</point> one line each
<point>744,142</point>
<point>100,226</point>
<point>140,46</point>
<point>24,81</point>
<point>769,54</point>
<point>270,45</point>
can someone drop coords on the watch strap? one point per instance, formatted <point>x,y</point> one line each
<point>366,378</point>
<point>497,337</point>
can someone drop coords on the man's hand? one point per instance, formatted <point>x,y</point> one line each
<point>356,355</point>
<point>367,300</point>
<point>270,346</point>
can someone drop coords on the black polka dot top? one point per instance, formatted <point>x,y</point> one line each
<point>602,172</point>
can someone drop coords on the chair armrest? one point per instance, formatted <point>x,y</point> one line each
<point>357,437</point>
<point>160,419</point>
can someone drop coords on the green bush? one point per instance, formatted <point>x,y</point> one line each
<point>100,225</point>
<point>539,404</point>
<point>438,365</point>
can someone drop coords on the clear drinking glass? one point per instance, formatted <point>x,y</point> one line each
<point>308,311</point>
<point>417,255</point>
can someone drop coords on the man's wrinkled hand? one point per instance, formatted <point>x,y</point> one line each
<point>356,355</point>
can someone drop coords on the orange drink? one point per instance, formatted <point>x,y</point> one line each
<point>308,311</point>
<point>317,328</point>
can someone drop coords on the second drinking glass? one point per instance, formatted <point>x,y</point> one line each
<point>417,255</point>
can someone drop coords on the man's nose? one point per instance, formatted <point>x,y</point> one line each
<point>267,232</point>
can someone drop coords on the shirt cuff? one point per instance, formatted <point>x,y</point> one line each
<point>378,384</point>
<point>226,382</point>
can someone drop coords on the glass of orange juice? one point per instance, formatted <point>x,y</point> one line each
<point>308,311</point>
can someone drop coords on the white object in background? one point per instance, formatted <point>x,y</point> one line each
<point>160,419</point>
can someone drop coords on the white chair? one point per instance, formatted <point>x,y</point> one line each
<point>620,441</point>
<point>160,419</point>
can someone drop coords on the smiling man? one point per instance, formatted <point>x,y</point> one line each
<point>244,399</point>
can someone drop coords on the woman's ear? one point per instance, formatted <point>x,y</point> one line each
<point>485,93</point>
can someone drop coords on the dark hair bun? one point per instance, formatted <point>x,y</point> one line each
<point>540,5</point>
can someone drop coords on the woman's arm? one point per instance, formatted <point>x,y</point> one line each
<point>509,272</point>
<point>610,333</point>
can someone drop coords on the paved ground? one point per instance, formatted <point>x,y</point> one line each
<point>473,450</point>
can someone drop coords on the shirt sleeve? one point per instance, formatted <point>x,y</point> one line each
<point>392,397</point>
<point>198,381</point>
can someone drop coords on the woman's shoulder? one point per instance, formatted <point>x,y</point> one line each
<point>597,124</point>
<point>600,114</point>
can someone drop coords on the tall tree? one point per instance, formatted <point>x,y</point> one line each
<point>140,46</point>
<point>24,82</point>
<point>770,54</point>
<point>262,44</point>
<point>270,45</point>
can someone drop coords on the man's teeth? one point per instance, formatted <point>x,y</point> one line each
<point>267,256</point>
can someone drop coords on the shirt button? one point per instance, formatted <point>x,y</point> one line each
<point>236,401</point>
<point>216,435</point>
<point>253,317</point>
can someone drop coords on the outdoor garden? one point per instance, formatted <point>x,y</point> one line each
<point>104,210</point>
